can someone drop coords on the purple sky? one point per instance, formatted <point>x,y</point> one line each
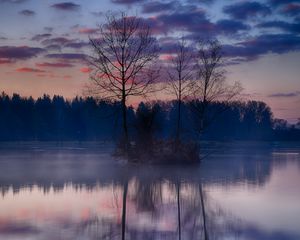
<point>43,43</point>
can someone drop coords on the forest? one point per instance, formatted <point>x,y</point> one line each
<point>88,119</point>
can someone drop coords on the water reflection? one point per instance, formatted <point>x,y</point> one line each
<point>62,193</point>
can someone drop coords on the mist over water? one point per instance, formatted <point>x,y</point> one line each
<point>76,191</point>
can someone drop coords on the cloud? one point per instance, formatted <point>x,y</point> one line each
<point>207,2</point>
<point>13,1</point>
<point>156,6</point>
<point>275,43</point>
<point>291,9</point>
<point>57,40</point>
<point>53,47</point>
<point>27,13</point>
<point>67,56</point>
<point>245,10</point>
<point>187,20</point>
<point>168,47</point>
<point>127,1</point>
<point>76,45</point>
<point>54,65</point>
<point>29,70</point>
<point>85,70</point>
<point>193,21</point>
<point>98,14</point>
<point>184,19</point>
<point>48,29</point>
<point>166,57</point>
<point>5,61</point>
<point>282,2</point>
<point>264,44</point>
<point>226,26</point>
<point>157,27</point>
<point>175,6</point>
<point>88,30</point>
<point>23,52</point>
<point>66,6</point>
<point>39,37</point>
<point>285,26</point>
<point>285,95</point>
<point>242,53</point>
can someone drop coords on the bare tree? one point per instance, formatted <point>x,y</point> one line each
<point>180,75</point>
<point>210,84</point>
<point>122,61</point>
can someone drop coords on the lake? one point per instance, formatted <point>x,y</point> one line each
<point>78,191</point>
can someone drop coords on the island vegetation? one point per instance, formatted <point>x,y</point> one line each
<point>124,64</point>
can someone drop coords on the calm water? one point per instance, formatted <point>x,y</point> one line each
<point>77,191</point>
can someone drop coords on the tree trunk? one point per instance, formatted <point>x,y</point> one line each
<point>178,122</point>
<point>125,127</point>
<point>124,210</point>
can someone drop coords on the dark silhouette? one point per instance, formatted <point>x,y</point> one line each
<point>123,62</point>
<point>178,209</point>
<point>206,237</point>
<point>180,84</point>
<point>148,123</point>
<point>82,119</point>
<point>210,85</point>
<point>124,204</point>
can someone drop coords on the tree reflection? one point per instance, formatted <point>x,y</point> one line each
<point>203,212</point>
<point>178,209</point>
<point>160,209</point>
<point>147,195</point>
<point>141,202</point>
<point>125,190</point>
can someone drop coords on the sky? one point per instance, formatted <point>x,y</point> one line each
<point>43,43</point>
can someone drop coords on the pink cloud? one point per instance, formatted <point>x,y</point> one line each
<point>166,57</point>
<point>5,61</point>
<point>55,65</point>
<point>88,30</point>
<point>29,70</point>
<point>85,70</point>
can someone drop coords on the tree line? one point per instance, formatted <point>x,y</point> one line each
<point>82,119</point>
